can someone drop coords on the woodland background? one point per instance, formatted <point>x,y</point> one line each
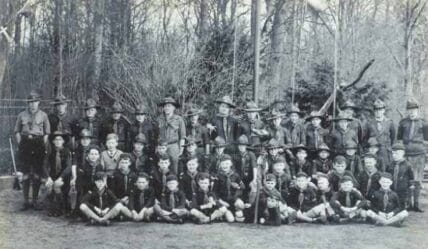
<point>140,50</point>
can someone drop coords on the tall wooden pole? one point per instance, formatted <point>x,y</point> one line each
<point>256,52</point>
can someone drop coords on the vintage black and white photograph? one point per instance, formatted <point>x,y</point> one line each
<point>214,124</point>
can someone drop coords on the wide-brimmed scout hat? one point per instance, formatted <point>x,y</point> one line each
<point>341,116</point>
<point>398,146</point>
<point>189,141</point>
<point>226,100</point>
<point>372,142</point>
<point>412,104</point>
<point>169,100</point>
<point>378,104</point>
<point>273,144</point>
<point>323,147</point>
<point>315,114</point>
<point>59,100</point>
<point>140,138</point>
<point>299,147</point>
<point>85,133</point>
<point>55,134</point>
<point>275,114</point>
<point>242,140</point>
<point>33,96</point>
<point>219,142</point>
<point>140,109</point>
<point>295,109</point>
<point>117,108</point>
<point>349,104</point>
<point>91,103</point>
<point>252,107</point>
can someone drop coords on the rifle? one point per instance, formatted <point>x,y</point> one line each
<point>17,181</point>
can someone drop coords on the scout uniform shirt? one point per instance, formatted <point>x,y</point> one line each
<point>282,183</point>
<point>334,179</point>
<point>354,164</point>
<point>315,136</point>
<point>188,184</point>
<point>102,200</point>
<point>201,198</point>
<point>122,183</point>
<point>280,134</point>
<point>339,137</point>
<point>142,162</point>
<point>93,125</point>
<point>402,176</point>
<point>412,134</point>
<point>64,123</point>
<point>86,174</point>
<point>244,165</point>
<point>32,125</point>
<point>224,189</point>
<point>185,157</point>
<point>119,127</point>
<point>322,165</point>
<point>385,201</point>
<point>226,127</point>
<point>368,182</point>
<point>173,200</point>
<point>345,199</point>
<point>139,199</point>
<point>158,182</point>
<point>384,131</point>
<point>199,133</point>
<point>302,200</point>
<point>149,130</point>
<point>296,133</point>
<point>246,126</point>
<point>58,163</point>
<point>297,166</point>
<point>171,130</point>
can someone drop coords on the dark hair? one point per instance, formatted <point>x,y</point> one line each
<point>143,175</point>
<point>164,158</point>
<point>99,176</point>
<point>203,176</point>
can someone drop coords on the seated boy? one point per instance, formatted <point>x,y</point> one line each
<point>141,199</point>
<point>338,172</point>
<point>229,189</point>
<point>369,178</point>
<point>374,149</point>
<point>324,196</point>
<point>161,151</point>
<point>204,207</point>
<point>190,151</point>
<point>302,198</point>
<point>172,205</point>
<point>123,178</point>
<point>159,175</point>
<point>57,170</point>
<point>142,162</point>
<point>188,178</point>
<point>282,179</point>
<point>272,209</point>
<point>80,154</point>
<point>100,205</point>
<point>348,202</point>
<point>299,162</point>
<point>323,163</point>
<point>385,205</point>
<point>110,157</point>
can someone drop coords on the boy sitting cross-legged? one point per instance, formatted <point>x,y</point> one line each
<point>159,175</point>
<point>302,197</point>
<point>123,178</point>
<point>229,188</point>
<point>385,204</point>
<point>348,202</point>
<point>141,199</point>
<point>205,207</point>
<point>172,205</point>
<point>188,179</point>
<point>100,205</point>
<point>272,209</point>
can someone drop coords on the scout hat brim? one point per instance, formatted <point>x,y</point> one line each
<point>275,116</point>
<point>169,102</point>
<point>58,134</point>
<point>219,101</point>
<point>342,118</point>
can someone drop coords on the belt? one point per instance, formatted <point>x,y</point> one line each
<point>30,137</point>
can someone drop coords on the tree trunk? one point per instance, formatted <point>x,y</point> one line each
<point>98,53</point>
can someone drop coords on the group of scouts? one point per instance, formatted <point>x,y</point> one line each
<point>284,168</point>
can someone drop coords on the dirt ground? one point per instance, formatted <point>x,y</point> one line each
<point>33,229</point>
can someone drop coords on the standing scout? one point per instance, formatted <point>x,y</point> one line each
<point>57,169</point>
<point>252,126</point>
<point>384,131</point>
<point>145,126</point>
<point>63,121</point>
<point>31,132</point>
<point>197,131</point>
<point>342,133</point>
<point>295,127</point>
<point>224,125</point>
<point>172,130</point>
<point>315,134</point>
<point>413,130</point>
<point>348,110</point>
<point>90,121</point>
<point>118,125</point>
<point>403,177</point>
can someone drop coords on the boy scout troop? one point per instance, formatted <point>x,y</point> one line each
<point>281,169</point>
